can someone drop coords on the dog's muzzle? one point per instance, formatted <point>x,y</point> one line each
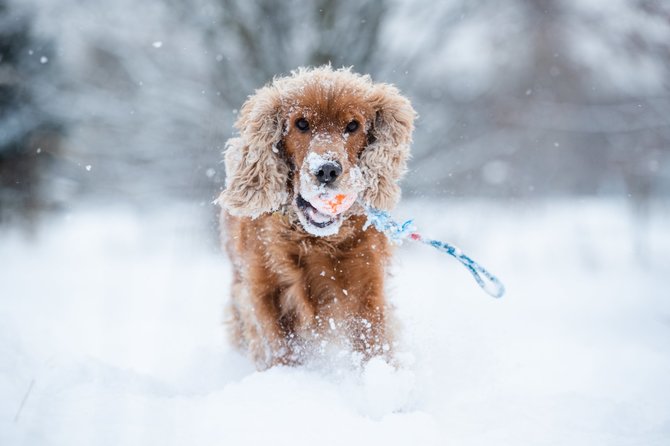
<point>313,215</point>
<point>325,193</point>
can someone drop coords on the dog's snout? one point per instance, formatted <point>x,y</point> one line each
<point>328,172</point>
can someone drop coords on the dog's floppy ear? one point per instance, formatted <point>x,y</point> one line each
<point>255,173</point>
<point>384,162</point>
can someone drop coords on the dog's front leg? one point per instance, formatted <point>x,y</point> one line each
<point>365,302</point>
<point>266,338</point>
<point>369,334</point>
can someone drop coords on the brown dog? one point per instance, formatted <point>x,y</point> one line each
<point>312,147</point>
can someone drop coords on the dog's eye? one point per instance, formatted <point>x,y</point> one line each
<point>352,126</point>
<point>302,124</point>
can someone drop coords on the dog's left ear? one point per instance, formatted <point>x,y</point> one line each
<point>255,173</point>
<point>384,162</point>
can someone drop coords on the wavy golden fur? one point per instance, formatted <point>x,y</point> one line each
<point>296,285</point>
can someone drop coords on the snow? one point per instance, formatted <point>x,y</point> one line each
<point>110,333</point>
<point>314,160</point>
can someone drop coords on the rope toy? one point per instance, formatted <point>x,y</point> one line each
<point>397,233</point>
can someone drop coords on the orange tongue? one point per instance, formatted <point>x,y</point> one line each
<point>333,204</point>
<point>336,203</point>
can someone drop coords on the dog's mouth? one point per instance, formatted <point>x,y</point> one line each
<point>321,205</point>
<point>315,222</point>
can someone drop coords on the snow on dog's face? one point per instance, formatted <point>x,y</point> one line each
<point>324,137</point>
<point>315,142</point>
<point>324,194</point>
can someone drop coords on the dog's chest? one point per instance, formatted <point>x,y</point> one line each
<point>331,275</point>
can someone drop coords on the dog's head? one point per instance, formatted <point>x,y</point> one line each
<point>317,141</point>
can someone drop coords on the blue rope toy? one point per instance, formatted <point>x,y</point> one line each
<point>397,233</point>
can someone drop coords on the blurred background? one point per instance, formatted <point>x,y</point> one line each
<point>125,101</point>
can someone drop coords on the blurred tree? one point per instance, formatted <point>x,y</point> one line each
<point>156,83</point>
<point>530,98</point>
<point>255,41</point>
<point>541,97</point>
<point>28,134</point>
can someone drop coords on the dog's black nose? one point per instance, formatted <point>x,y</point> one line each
<point>328,172</point>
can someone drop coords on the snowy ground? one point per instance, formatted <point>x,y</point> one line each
<point>110,333</point>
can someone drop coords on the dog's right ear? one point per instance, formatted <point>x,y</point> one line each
<point>255,173</point>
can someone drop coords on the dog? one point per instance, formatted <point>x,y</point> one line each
<point>314,148</point>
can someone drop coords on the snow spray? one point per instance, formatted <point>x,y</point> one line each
<point>397,233</point>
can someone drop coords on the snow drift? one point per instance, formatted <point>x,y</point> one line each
<point>110,333</point>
